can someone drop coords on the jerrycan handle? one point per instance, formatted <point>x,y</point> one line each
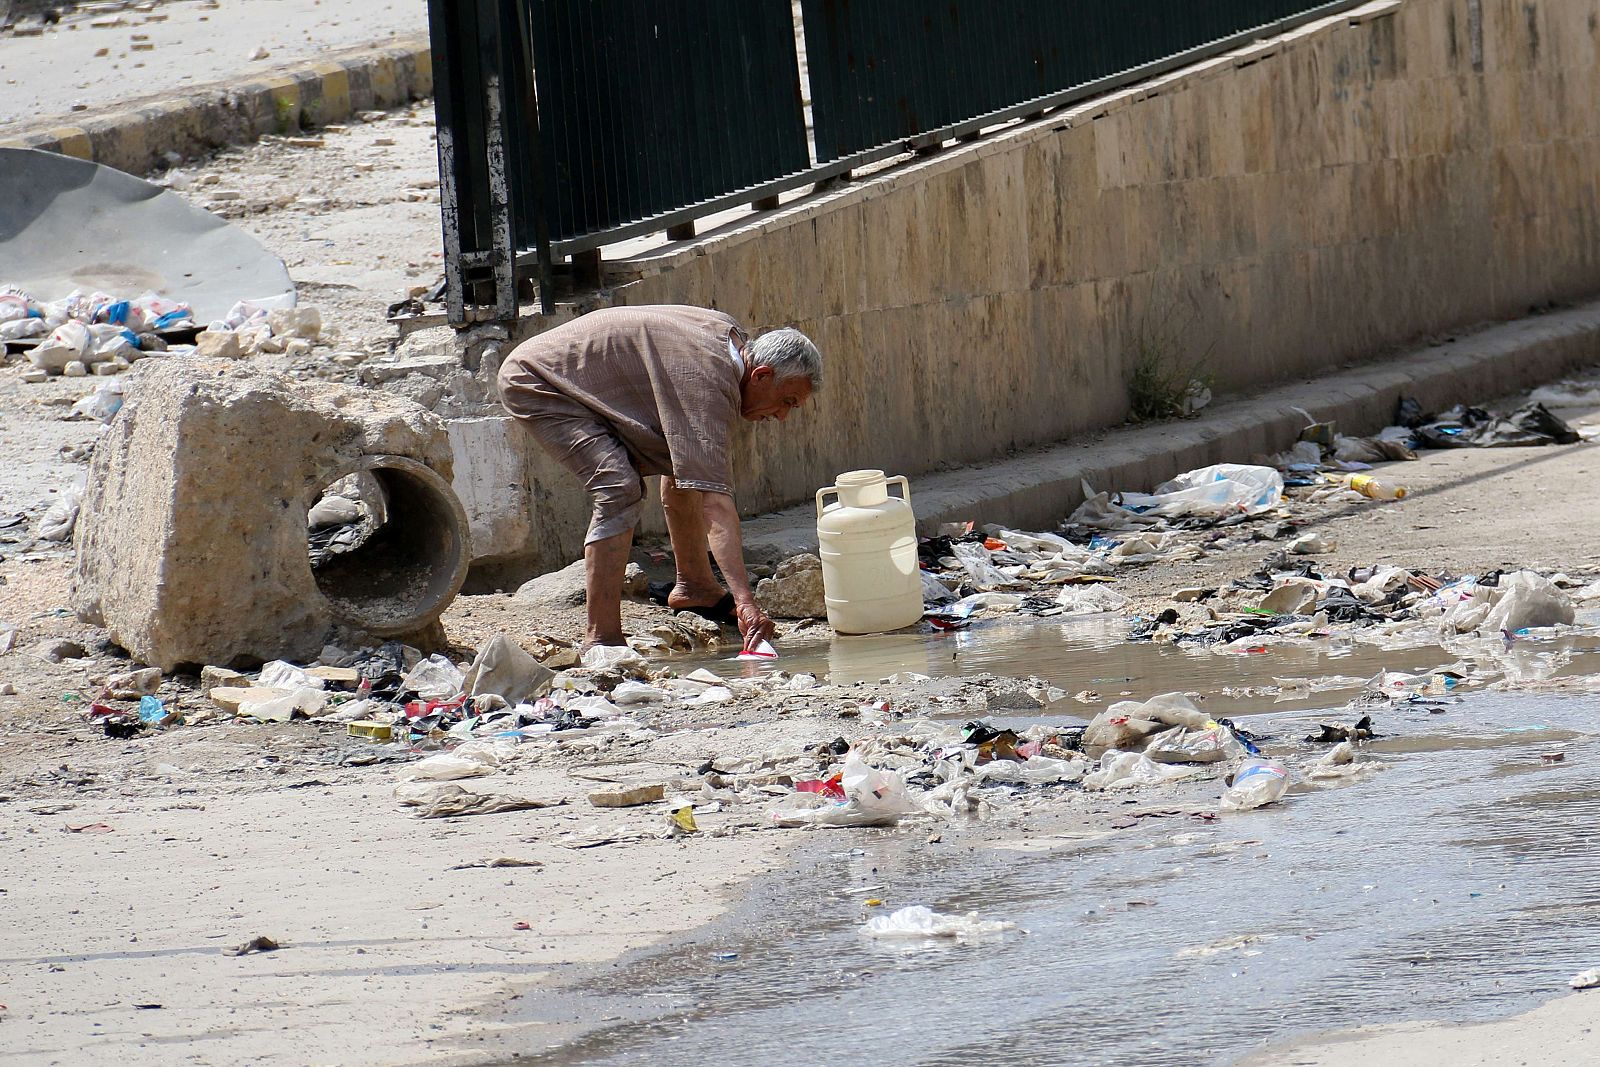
<point>834,489</point>
<point>905,487</point>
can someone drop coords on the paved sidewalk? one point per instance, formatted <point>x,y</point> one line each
<point>191,43</point>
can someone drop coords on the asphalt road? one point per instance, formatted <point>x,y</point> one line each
<point>191,42</point>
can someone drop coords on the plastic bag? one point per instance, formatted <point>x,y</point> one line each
<point>638,693</point>
<point>67,343</point>
<point>1257,783</point>
<point>919,921</point>
<point>934,591</point>
<point>1526,600</point>
<point>280,674</point>
<point>1040,770</point>
<point>62,517</point>
<point>1181,745</point>
<point>504,668</point>
<point>1214,492</point>
<point>301,703</point>
<point>980,569</point>
<point>1090,600</point>
<point>434,678</point>
<point>1127,770</point>
<point>1117,729</point>
<point>872,798</point>
<point>472,760</point>
<point>613,657</point>
<point>101,405</point>
<point>17,329</point>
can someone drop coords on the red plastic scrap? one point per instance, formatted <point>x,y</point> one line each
<point>830,787</point>
<point>416,709</point>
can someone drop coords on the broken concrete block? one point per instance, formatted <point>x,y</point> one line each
<point>558,589</point>
<point>295,704</point>
<point>635,582</point>
<point>192,546</point>
<point>75,369</point>
<point>221,678</point>
<point>217,344</point>
<point>628,797</point>
<point>795,590</point>
<point>301,322</point>
<point>231,698</point>
<point>336,675</point>
<point>131,685</point>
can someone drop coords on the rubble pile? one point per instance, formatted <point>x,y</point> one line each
<point>96,333</point>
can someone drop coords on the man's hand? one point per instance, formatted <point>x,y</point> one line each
<point>754,625</point>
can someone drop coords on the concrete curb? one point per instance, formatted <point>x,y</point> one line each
<point>138,138</point>
<point>1037,490</point>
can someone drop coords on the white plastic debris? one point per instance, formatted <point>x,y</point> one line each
<point>474,759</point>
<point>975,560</point>
<point>608,657</point>
<point>505,669</point>
<point>280,674</point>
<point>434,678</point>
<point>1040,770</point>
<point>1585,979</point>
<point>1215,492</point>
<point>1525,600</point>
<point>301,703</point>
<point>638,693</point>
<point>1127,770</point>
<point>873,797</point>
<point>1090,600</point>
<point>62,517</point>
<point>919,922</point>
<point>1257,783</point>
<point>934,591</point>
<point>101,405</point>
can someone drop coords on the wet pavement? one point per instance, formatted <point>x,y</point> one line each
<point>1454,883</point>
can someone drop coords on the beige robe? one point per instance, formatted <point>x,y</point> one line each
<point>627,392</point>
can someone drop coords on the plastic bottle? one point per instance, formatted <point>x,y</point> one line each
<point>868,543</point>
<point>1369,486</point>
<point>1256,783</point>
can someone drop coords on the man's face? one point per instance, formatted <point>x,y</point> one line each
<point>765,397</point>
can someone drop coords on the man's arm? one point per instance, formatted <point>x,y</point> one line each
<point>722,522</point>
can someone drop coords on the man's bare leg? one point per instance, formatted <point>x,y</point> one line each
<point>604,563</point>
<point>696,585</point>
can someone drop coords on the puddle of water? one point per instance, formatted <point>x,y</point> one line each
<point>1440,887</point>
<point>1095,654</point>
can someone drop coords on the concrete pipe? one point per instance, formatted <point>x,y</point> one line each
<point>400,579</point>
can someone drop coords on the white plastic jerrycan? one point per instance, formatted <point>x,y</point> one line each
<point>868,543</point>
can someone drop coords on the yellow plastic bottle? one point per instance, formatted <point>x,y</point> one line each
<point>868,543</point>
<point>1369,486</point>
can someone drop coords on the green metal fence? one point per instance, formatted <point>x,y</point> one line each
<point>566,125</point>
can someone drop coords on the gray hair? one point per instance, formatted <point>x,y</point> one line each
<point>790,354</point>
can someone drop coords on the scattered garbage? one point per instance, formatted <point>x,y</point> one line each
<point>1464,426</point>
<point>918,921</point>
<point>261,943</point>
<point>62,517</point>
<point>872,797</point>
<point>1585,979</point>
<point>1257,783</point>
